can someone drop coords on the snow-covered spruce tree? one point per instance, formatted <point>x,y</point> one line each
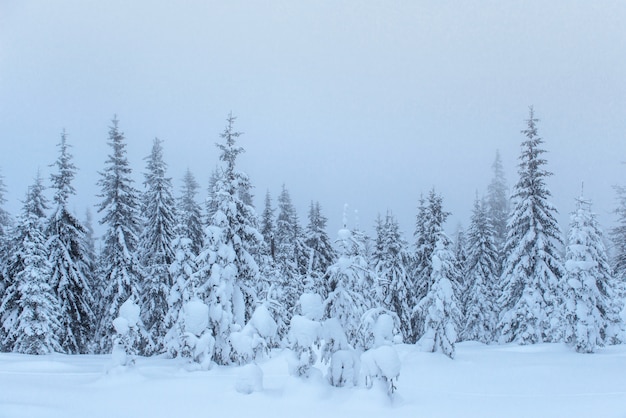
<point>227,270</point>
<point>155,246</point>
<point>35,207</point>
<point>121,272</point>
<point>480,313</point>
<point>533,269</point>
<point>91,258</point>
<point>30,308</point>
<point>212,201</point>
<point>618,237</point>
<point>391,260</point>
<point>429,224</point>
<point>291,251</point>
<point>460,256</point>
<point>321,252</point>
<point>498,207</point>
<point>592,308</point>
<point>346,301</point>
<point>184,289</point>
<point>190,213</point>
<point>72,272</point>
<point>5,227</point>
<point>268,226</point>
<point>439,309</point>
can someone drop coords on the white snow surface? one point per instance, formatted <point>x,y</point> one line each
<point>543,380</point>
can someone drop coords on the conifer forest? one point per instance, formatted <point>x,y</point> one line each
<point>225,283</point>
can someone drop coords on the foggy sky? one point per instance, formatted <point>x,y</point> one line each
<point>368,103</point>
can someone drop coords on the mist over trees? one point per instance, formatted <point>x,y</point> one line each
<point>224,282</point>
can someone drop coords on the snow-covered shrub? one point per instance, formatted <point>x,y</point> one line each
<point>126,336</point>
<point>304,335</point>
<point>342,358</point>
<point>253,340</point>
<point>197,340</point>
<point>381,362</point>
<point>379,327</point>
<point>343,369</point>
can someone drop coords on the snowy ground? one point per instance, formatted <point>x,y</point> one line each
<point>483,381</point>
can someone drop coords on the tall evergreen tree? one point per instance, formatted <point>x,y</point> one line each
<point>29,308</point>
<point>190,213</point>
<point>121,271</point>
<point>439,309</point>
<point>481,316</point>
<point>5,227</point>
<point>321,252</point>
<point>5,217</point>
<point>268,226</point>
<point>71,273</point>
<point>391,267</point>
<point>291,251</point>
<point>212,201</point>
<point>227,270</point>
<point>429,225</point>
<point>184,289</point>
<point>155,244</point>
<point>533,269</point>
<point>346,301</point>
<point>498,206</point>
<point>592,307</point>
<point>460,257</point>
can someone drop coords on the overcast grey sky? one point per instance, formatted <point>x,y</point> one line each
<point>368,103</point>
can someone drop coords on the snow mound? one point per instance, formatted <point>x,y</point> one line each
<point>311,306</point>
<point>383,330</point>
<point>263,322</point>
<point>121,325</point>
<point>196,317</point>
<point>130,311</point>
<point>304,332</point>
<point>249,379</point>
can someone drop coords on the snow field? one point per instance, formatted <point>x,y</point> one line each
<point>546,380</point>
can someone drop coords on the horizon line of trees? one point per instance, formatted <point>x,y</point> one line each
<point>224,284</point>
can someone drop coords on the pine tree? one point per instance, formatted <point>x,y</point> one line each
<point>346,302</point>
<point>5,242</point>
<point>268,226</point>
<point>592,310</point>
<point>498,207</point>
<point>429,225</point>
<point>190,213</point>
<point>618,235</point>
<point>228,272</point>
<point>29,308</point>
<point>481,317</point>
<point>70,269</point>
<point>391,263</point>
<point>184,289</point>
<point>212,201</point>
<point>291,251</point>
<point>155,244</point>
<point>5,217</point>
<point>533,269</point>
<point>440,307</point>
<point>121,271</point>
<point>460,257</point>
<point>321,253</point>
<point>91,257</point>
